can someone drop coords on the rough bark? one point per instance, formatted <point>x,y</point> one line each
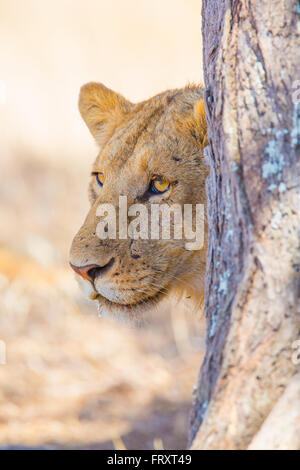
<point>251,62</point>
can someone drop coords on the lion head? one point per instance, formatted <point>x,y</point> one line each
<point>150,153</point>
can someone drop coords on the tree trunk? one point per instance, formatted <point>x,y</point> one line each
<point>248,392</point>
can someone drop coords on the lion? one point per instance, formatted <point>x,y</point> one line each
<point>152,153</point>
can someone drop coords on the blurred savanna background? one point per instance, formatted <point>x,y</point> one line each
<point>71,379</point>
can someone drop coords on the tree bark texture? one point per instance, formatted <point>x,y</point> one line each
<point>248,391</point>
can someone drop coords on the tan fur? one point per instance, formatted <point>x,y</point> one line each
<point>164,136</point>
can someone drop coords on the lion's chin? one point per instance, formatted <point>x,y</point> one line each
<point>135,310</point>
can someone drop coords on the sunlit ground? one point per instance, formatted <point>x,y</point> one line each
<point>72,379</point>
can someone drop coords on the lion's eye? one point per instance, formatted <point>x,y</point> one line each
<point>159,185</point>
<point>99,177</point>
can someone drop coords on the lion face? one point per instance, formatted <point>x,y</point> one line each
<point>150,153</point>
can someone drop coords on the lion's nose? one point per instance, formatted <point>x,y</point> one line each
<point>91,271</point>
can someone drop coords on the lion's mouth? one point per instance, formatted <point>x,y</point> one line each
<point>118,301</point>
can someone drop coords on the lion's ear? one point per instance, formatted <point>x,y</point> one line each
<point>193,120</point>
<point>200,120</point>
<point>102,109</point>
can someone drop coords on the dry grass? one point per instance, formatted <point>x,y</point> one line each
<point>72,378</point>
